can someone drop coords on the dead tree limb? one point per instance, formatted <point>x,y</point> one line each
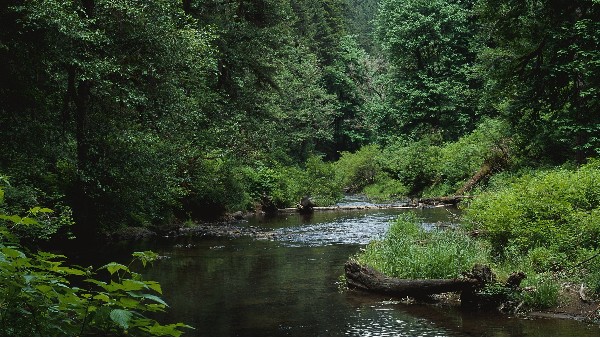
<point>367,279</point>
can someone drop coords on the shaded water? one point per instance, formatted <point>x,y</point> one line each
<point>287,286</point>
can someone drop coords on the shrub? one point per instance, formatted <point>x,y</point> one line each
<point>385,189</point>
<point>408,251</point>
<point>544,259</point>
<point>544,291</point>
<point>460,160</point>
<point>412,163</point>
<point>284,186</point>
<point>211,187</point>
<point>588,261</point>
<point>358,170</point>
<point>553,209</point>
<point>37,298</point>
<point>318,180</point>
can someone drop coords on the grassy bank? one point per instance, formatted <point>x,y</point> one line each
<point>544,223</point>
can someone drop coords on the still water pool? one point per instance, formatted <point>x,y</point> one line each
<point>287,285</point>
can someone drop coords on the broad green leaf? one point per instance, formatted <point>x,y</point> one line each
<point>28,221</point>
<point>44,288</point>
<point>14,218</point>
<point>129,302</point>
<point>133,285</point>
<point>154,298</point>
<point>103,297</point>
<point>12,253</point>
<point>114,267</point>
<point>154,286</point>
<point>121,317</point>
<point>166,330</point>
<point>145,256</point>
<point>71,271</point>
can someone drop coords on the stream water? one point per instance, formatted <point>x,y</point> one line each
<point>288,285</point>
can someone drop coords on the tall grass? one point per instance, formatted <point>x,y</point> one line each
<point>409,251</point>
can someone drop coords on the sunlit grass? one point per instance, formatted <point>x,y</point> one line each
<point>409,251</point>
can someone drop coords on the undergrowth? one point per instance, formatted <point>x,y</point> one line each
<point>409,251</point>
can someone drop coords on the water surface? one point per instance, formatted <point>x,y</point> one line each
<point>288,285</point>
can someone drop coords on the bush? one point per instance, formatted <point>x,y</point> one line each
<point>553,209</point>
<point>211,188</point>
<point>544,291</point>
<point>385,189</point>
<point>412,163</point>
<point>318,180</point>
<point>589,269</point>
<point>37,298</point>
<point>408,251</point>
<point>460,160</point>
<point>284,186</point>
<point>544,259</point>
<point>358,170</point>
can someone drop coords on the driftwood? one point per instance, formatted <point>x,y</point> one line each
<point>443,200</point>
<point>306,205</point>
<point>367,279</point>
<point>347,208</point>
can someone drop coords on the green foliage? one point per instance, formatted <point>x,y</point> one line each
<point>285,186</point>
<point>211,187</point>
<point>38,224</point>
<point>487,145</point>
<point>412,163</point>
<point>540,64</point>
<point>552,209</point>
<point>38,298</point>
<point>359,169</point>
<point>318,180</point>
<point>544,291</point>
<point>385,189</point>
<point>589,268</point>
<point>430,47</point>
<point>409,251</point>
<point>426,166</point>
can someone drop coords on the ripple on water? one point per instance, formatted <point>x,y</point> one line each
<point>349,230</point>
<point>388,322</point>
<point>341,231</point>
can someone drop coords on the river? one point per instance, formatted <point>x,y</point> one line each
<point>288,284</point>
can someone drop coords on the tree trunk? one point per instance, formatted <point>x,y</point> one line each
<point>367,279</point>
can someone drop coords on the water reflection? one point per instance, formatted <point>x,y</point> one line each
<point>389,322</point>
<point>287,286</point>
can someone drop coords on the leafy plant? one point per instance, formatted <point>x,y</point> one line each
<point>385,189</point>
<point>543,293</point>
<point>41,296</point>
<point>359,169</point>
<point>409,251</point>
<point>412,163</point>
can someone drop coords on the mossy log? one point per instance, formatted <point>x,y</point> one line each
<point>367,279</point>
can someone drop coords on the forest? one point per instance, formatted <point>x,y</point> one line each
<point>121,115</point>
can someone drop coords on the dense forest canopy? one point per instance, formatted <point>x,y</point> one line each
<point>119,116</point>
<point>136,113</point>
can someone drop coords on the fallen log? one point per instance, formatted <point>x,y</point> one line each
<point>348,208</point>
<point>367,279</point>
<point>442,200</point>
